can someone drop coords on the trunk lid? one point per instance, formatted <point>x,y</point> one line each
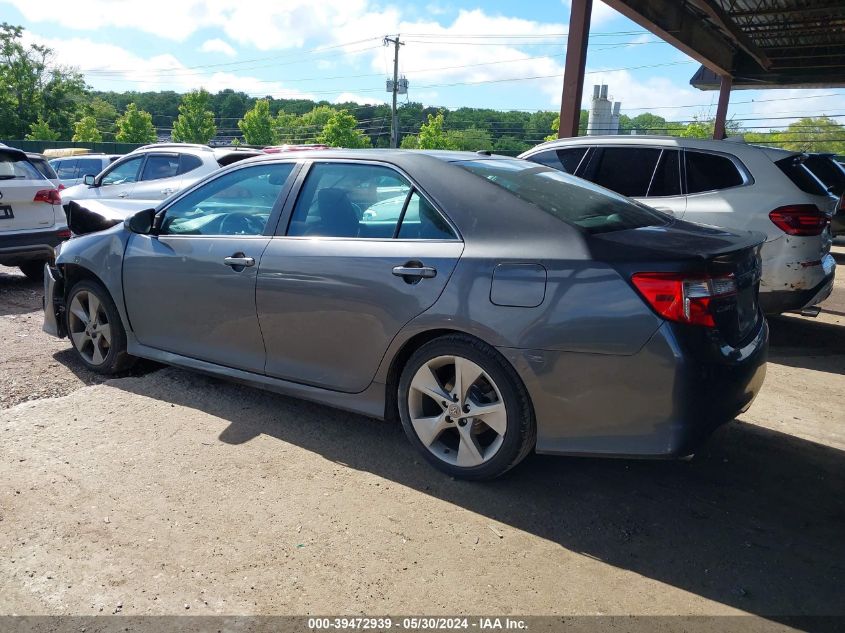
<point>19,182</point>
<point>695,251</point>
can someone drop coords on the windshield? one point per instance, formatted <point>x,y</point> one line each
<point>575,201</point>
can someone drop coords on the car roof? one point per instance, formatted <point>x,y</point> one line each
<point>399,157</point>
<point>734,145</point>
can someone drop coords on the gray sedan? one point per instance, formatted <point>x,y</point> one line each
<point>494,306</point>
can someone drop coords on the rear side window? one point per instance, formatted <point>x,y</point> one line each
<point>569,199</point>
<point>625,170</point>
<point>564,159</point>
<point>160,166</point>
<point>830,172</point>
<point>710,172</point>
<point>12,168</point>
<point>422,222</point>
<point>188,163</point>
<point>667,176</point>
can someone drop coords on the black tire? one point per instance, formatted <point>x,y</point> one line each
<point>116,360</point>
<point>34,271</point>
<point>521,429</point>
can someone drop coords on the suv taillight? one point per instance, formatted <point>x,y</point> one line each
<point>800,219</point>
<point>683,298</point>
<point>50,196</point>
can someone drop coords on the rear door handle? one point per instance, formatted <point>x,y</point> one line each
<point>167,191</point>
<point>418,272</point>
<point>239,261</point>
<point>122,194</point>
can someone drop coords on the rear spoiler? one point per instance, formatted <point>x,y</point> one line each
<point>13,153</point>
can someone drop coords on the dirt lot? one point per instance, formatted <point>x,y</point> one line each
<point>167,492</point>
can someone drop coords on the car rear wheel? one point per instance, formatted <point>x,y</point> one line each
<point>465,409</point>
<point>95,329</point>
<point>33,270</point>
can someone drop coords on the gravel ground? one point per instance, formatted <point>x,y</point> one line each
<point>167,492</point>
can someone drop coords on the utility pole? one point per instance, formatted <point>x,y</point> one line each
<point>394,120</point>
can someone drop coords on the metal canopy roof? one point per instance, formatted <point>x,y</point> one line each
<point>760,43</point>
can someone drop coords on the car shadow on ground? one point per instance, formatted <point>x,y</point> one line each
<point>806,343</point>
<point>754,521</point>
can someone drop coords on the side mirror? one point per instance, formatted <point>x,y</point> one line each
<point>141,222</point>
<point>89,179</point>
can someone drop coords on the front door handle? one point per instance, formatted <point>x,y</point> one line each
<point>122,194</point>
<point>239,261</point>
<point>167,191</point>
<point>412,272</point>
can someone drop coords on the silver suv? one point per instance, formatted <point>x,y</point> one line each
<point>72,169</point>
<point>154,172</point>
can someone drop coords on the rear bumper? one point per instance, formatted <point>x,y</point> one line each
<point>19,248</point>
<point>778,301</point>
<point>661,402</point>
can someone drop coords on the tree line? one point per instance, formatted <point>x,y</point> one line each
<point>40,100</point>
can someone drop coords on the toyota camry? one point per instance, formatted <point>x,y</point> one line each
<point>495,306</point>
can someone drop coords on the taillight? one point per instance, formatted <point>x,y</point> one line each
<point>64,234</point>
<point>50,196</point>
<point>800,219</point>
<point>683,298</point>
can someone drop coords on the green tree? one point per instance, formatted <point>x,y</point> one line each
<point>511,145</point>
<point>287,127</point>
<point>195,123</point>
<point>40,131</point>
<point>258,125</point>
<point>135,126</point>
<point>471,139</point>
<point>432,135</point>
<point>104,113</point>
<point>409,141</point>
<point>33,88</point>
<point>340,131</point>
<point>312,123</point>
<point>86,131</point>
<point>812,134</point>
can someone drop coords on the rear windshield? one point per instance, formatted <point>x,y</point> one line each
<point>13,168</point>
<point>794,168</point>
<point>575,201</point>
<point>830,172</point>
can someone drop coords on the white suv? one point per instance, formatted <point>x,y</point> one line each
<point>32,222</point>
<point>726,184</point>
<point>154,172</point>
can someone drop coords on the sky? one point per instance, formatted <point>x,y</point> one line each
<point>496,54</point>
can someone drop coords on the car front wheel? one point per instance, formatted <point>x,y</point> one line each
<point>95,329</point>
<point>465,409</point>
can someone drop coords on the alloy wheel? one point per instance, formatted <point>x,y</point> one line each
<point>89,327</point>
<point>457,411</point>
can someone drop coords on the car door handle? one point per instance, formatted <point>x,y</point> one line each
<point>239,261</point>
<point>409,271</point>
<point>167,191</point>
<point>122,194</point>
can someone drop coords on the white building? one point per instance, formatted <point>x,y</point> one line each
<point>604,115</point>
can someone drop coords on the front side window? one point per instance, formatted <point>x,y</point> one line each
<point>710,172</point>
<point>625,170</point>
<point>123,173</point>
<point>160,166</point>
<point>86,166</point>
<point>351,200</point>
<point>239,202</point>
<point>567,198</point>
<point>65,169</point>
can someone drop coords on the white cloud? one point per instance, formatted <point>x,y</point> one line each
<point>651,94</point>
<point>601,12</point>
<point>218,46</point>
<point>345,97</point>
<point>111,67</point>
